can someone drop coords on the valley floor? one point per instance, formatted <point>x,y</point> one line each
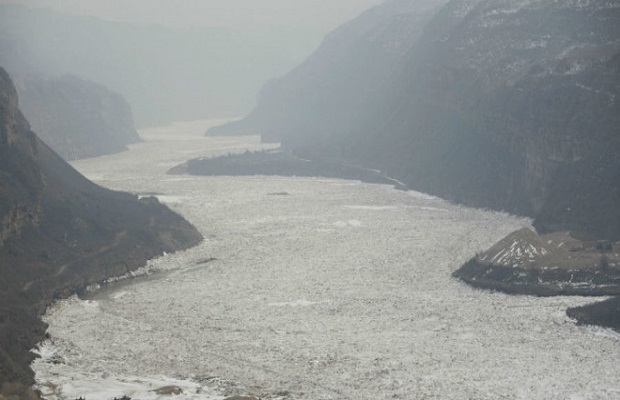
<point>315,288</point>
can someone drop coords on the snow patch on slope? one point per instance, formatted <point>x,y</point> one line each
<point>521,247</point>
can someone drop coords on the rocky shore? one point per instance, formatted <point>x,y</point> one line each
<point>605,313</point>
<point>278,162</point>
<point>27,288</point>
<point>60,233</point>
<point>556,264</point>
<point>540,281</point>
<point>525,263</point>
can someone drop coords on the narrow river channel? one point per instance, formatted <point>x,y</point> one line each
<point>313,288</point>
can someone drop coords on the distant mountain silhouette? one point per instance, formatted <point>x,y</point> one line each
<point>502,104</point>
<point>76,118</point>
<point>59,232</point>
<point>165,74</point>
<point>324,97</point>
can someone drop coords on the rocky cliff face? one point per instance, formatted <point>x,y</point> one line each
<point>325,97</point>
<point>533,85</point>
<point>504,104</point>
<point>60,232</point>
<point>76,118</point>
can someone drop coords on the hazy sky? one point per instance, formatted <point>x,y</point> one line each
<point>322,15</point>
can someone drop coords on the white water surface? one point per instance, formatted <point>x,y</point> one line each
<point>338,290</point>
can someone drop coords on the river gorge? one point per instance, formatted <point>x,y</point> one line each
<point>312,288</point>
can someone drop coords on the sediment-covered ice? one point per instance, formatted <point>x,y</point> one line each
<point>310,297</point>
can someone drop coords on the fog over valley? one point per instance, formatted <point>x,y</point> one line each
<point>171,61</point>
<point>309,200</point>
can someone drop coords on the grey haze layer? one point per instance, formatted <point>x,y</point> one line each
<point>165,74</point>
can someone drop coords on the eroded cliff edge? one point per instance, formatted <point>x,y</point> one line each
<point>546,265</point>
<point>500,104</point>
<point>507,105</point>
<point>76,118</point>
<point>59,232</point>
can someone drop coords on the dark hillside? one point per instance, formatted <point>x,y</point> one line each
<point>504,104</point>
<point>324,97</point>
<point>514,107</point>
<point>76,118</point>
<point>60,232</point>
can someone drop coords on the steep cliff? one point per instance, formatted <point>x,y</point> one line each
<point>504,104</point>
<point>76,118</point>
<point>513,105</point>
<point>325,96</point>
<point>60,232</point>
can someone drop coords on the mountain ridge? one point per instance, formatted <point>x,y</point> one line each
<point>76,118</point>
<point>59,233</point>
<point>166,74</point>
<point>508,105</point>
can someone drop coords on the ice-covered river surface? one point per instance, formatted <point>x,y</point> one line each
<point>321,289</point>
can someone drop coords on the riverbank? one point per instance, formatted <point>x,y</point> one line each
<point>605,313</point>
<point>59,233</point>
<point>539,281</point>
<point>339,289</point>
<point>524,263</point>
<point>556,264</point>
<point>280,163</point>
<point>22,305</point>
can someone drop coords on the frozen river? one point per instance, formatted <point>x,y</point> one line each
<point>320,289</point>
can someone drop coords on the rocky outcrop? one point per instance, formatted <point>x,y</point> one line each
<point>515,109</point>
<point>506,104</point>
<point>60,233</point>
<point>278,163</point>
<point>605,313</point>
<point>546,265</point>
<point>553,264</point>
<point>558,281</point>
<point>76,118</point>
<point>503,104</point>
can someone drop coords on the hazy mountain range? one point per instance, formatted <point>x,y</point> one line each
<point>507,104</point>
<point>165,74</point>
<point>76,118</point>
